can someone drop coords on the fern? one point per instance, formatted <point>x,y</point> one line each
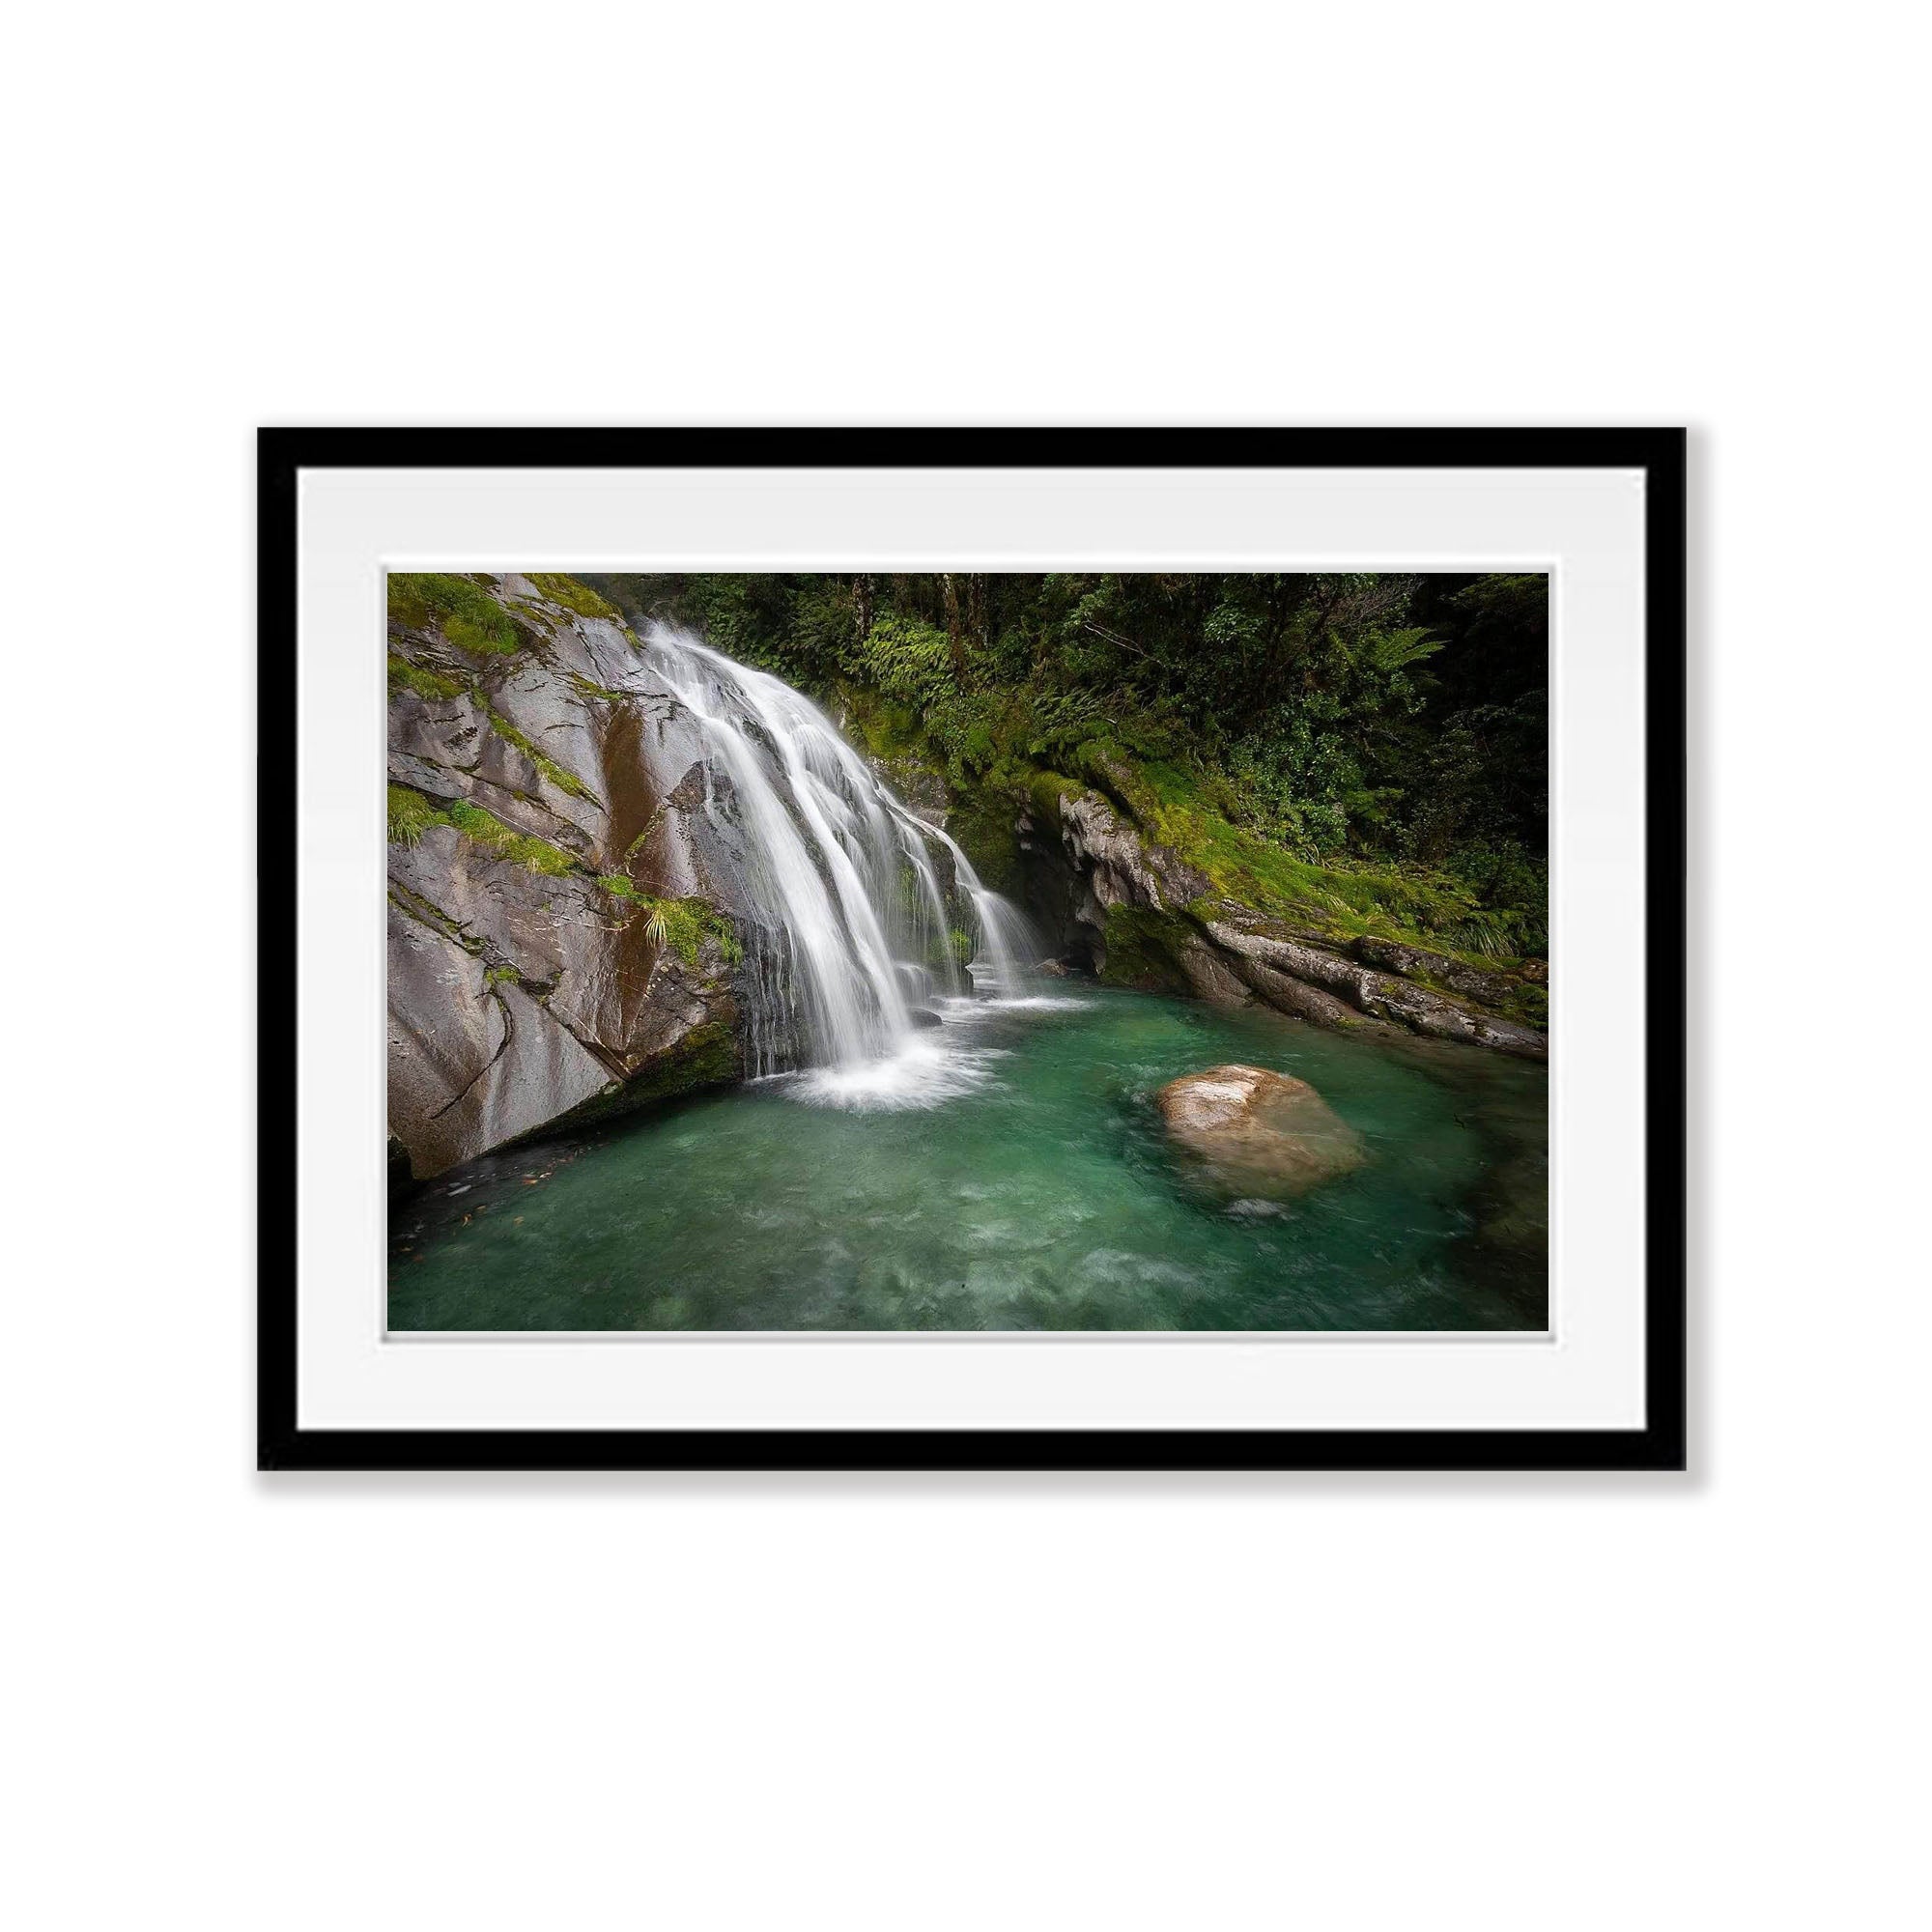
<point>1394,650</point>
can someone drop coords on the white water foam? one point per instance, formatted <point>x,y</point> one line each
<point>925,1072</point>
<point>857,928</point>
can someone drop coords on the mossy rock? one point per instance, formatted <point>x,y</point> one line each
<point>986,826</point>
<point>412,813</point>
<point>1143,950</point>
<point>465,611</point>
<point>706,1057</point>
<point>573,595</point>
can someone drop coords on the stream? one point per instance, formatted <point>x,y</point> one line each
<point>1007,1170</point>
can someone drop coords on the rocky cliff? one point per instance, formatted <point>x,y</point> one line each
<point>1138,914</point>
<point>565,927</point>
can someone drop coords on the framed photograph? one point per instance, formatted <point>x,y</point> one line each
<point>971,949</point>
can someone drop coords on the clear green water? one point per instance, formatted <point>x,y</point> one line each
<point>1041,1194</point>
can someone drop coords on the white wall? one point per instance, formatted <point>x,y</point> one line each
<point>1374,1703</point>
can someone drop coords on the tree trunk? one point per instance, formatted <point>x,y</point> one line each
<point>950,586</point>
<point>980,609</point>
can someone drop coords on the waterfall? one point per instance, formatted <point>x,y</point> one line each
<point>1006,945</point>
<point>859,931</point>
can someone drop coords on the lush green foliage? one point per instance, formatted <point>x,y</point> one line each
<point>572,595</point>
<point>1365,751</point>
<point>461,609</point>
<point>681,925</point>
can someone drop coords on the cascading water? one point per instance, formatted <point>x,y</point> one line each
<point>1006,945</point>
<point>860,935</point>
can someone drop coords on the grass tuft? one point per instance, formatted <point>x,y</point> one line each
<point>427,684</point>
<point>682,924</point>
<point>460,607</point>
<point>534,855</point>
<point>572,595</point>
<point>412,813</point>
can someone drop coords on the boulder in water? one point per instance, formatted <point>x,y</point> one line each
<point>1260,1134</point>
<point>923,1019</point>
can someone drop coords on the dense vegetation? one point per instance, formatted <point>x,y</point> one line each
<point>1367,750</point>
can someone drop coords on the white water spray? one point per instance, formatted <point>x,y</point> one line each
<point>859,920</point>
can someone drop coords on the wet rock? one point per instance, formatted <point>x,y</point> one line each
<point>1123,868</point>
<point>1105,891</point>
<point>1471,981</point>
<point>1259,1135</point>
<point>1266,952</point>
<point>472,1062</point>
<point>400,1179</point>
<point>1209,976</point>
<point>923,1019</point>
<point>522,991</point>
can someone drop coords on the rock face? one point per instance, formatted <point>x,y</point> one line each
<point>1142,916</point>
<point>1258,1134</point>
<point>1264,952</point>
<point>565,927</point>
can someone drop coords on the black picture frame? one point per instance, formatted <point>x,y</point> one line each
<point>282,1444</point>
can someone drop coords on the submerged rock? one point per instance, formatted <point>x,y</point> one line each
<point>1260,1135</point>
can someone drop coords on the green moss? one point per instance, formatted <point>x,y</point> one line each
<point>428,683</point>
<point>497,976</point>
<point>887,730</point>
<point>1143,950</point>
<point>535,855</point>
<point>572,595</point>
<point>563,780</point>
<point>590,688</point>
<point>705,1057</point>
<point>682,924</point>
<point>463,609</point>
<point>412,813</point>
<point>726,936</point>
<point>985,824</point>
<point>1338,902</point>
<point>1043,793</point>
